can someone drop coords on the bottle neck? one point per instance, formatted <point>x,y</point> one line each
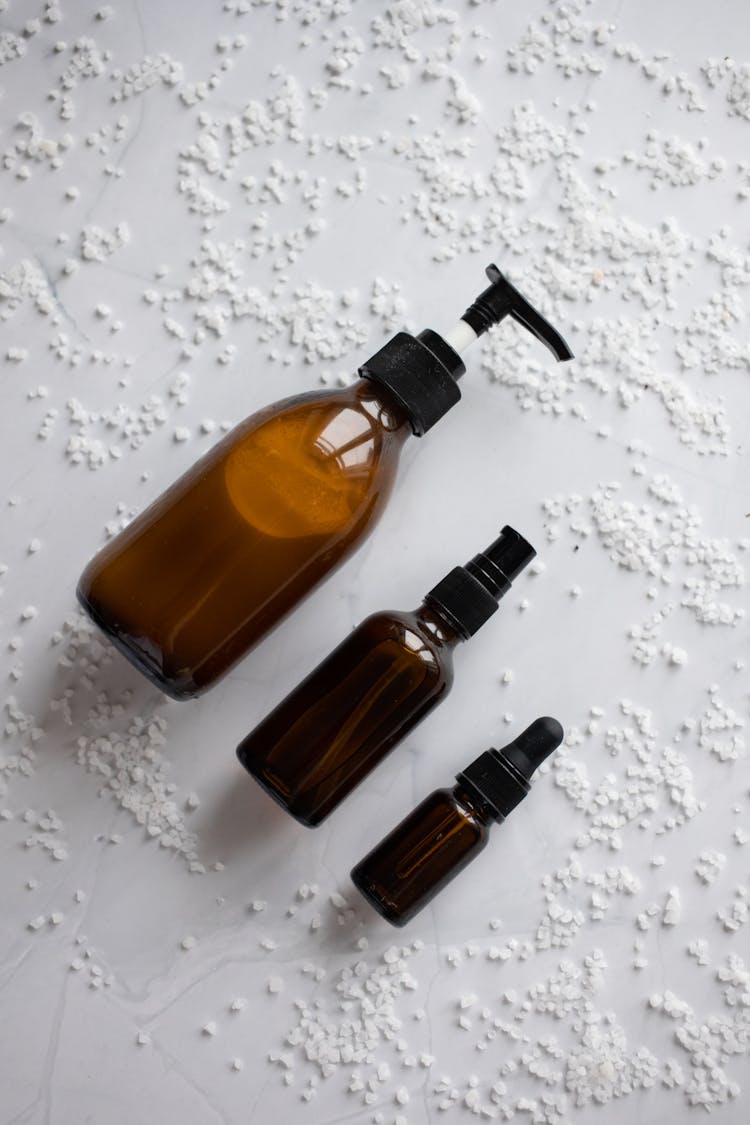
<point>382,407</point>
<point>437,627</point>
<point>472,804</point>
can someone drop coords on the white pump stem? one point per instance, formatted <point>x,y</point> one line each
<point>460,336</point>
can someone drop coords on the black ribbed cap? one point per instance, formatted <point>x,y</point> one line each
<point>469,594</point>
<point>420,372</point>
<point>500,778</point>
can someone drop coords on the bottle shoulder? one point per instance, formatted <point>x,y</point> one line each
<point>446,807</point>
<point>314,464</point>
<point>404,628</point>
<point>360,397</point>
<point>475,813</point>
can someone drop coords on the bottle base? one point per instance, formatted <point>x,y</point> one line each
<point>367,890</point>
<point>135,655</point>
<point>272,790</point>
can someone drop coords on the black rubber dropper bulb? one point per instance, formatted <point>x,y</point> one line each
<point>500,778</point>
<point>527,752</point>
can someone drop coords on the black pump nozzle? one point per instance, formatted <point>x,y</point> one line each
<point>501,563</point>
<point>502,299</point>
<point>500,778</point>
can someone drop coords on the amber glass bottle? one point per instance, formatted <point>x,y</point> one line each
<point>342,720</point>
<point>196,580</point>
<point>450,827</point>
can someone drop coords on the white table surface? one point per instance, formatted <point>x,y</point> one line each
<point>70,1048</point>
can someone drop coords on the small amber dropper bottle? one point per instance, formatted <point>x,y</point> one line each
<point>434,842</point>
<point>196,580</point>
<point>343,719</point>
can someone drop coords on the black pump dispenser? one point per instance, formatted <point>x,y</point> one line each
<point>469,594</point>
<point>500,778</point>
<point>421,372</point>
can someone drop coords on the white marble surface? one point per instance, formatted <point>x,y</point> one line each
<point>70,1050</point>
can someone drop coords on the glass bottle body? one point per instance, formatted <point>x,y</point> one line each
<point>195,581</point>
<point>342,720</point>
<point>405,871</point>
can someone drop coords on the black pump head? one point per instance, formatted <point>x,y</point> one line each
<point>469,595</point>
<point>502,299</point>
<point>500,564</point>
<point>421,372</point>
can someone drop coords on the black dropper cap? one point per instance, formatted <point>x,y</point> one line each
<point>421,372</point>
<point>500,778</point>
<point>469,594</point>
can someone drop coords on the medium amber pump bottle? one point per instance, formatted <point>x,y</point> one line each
<point>450,827</point>
<point>342,720</point>
<point>195,581</point>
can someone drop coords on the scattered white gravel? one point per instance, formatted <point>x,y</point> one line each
<point>641,816</point>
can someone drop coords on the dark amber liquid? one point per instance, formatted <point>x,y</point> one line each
<point>424,852</point>
<point>203,574</point>
<point>343,719</point>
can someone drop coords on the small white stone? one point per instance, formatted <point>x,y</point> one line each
<point>672,908</point>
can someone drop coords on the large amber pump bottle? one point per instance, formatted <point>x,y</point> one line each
<point>196,580</point>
